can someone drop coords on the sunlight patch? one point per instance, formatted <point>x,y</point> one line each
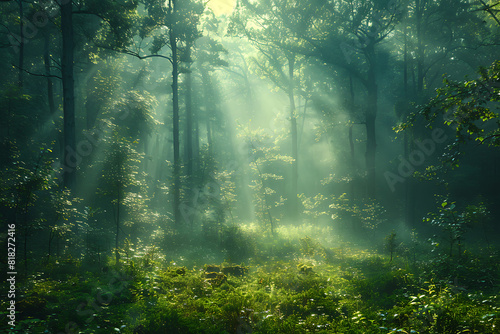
<point>222,7</point>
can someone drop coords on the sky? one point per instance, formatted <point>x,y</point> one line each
<point>221,7</point>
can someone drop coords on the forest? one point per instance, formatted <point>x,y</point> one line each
<point>250,166</point>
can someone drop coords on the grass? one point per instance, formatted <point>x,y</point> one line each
<point>295,283</point>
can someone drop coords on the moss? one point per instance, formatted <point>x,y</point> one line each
<point>358,292</point>
<point>235,270</point>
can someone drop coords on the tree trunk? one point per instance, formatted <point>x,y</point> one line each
<point>351,139</point>
<point>209,106</point>
<point>196,139</point>
<point>21,43</point>
<point>175,106</point>
<point>409,184</point>
<point>371,114</point>
<point>420,48</point>
<point>117,234</point>
<point>92,106</point>
<point>69,177</point>
<point>50,86</point>
<point>188,145</point>
<point>293,131</point>
<point>209,136</point>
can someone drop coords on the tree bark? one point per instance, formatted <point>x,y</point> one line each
<point>21,43</point>
<point>371,114</point>
<point>209,106</point>
<point>188,145</point>
<point>50,85</point>
<point>175,112</point>
<point>420,48</point>
<point>293,131</point>
<point>196,140</point>
<point>409,184</point>
<point>117,234</point>
<point>351,139</point>
<point>69,177</point>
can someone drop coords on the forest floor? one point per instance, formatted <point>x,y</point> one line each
<point>286,287</point>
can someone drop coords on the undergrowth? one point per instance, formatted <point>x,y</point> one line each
<point>289,284</point>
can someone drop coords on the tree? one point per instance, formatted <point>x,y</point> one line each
<point>274,27</point>
<point>340,34</point>
<point>357,29</point>
<point>32,201</point>
<point>67,60</point>
<point>454,223</point>
<point>266,164</point>
<point>390,244</point>
<point>118,181</point>
<point>468,107</point>
<point>437,37</point>
<point>180,19</point>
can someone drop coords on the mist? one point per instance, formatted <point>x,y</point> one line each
<point>250,166</point>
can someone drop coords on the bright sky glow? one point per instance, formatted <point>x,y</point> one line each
<point>221,7</point>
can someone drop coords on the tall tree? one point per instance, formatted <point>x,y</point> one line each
<point>172,8</point>
<point>67,59</point>
<point>347,35</point>
<point>181,21</point>
<point>272,26</point>
<point>438,37</point>
<point>21,42</point>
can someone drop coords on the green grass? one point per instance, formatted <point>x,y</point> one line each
<point>294,284</point>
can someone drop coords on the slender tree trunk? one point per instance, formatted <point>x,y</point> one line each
<point>196,140</point>
<point>351,139</point>
<point>293,131</point>
<point>209,136</point>
<point>209,106</point>
<point>303,122</point>
<point>49,251</point>
<point>371,114</point>
<point>117,234</point>
<point>50,86</point>
<point>175,103</point>
<point>92,107</point>
<point>420,49</point>
<point>69,177</point>
<point>405,67</point>
<point>409,184</point>
<point>188,145</point>
<point>21,44</point>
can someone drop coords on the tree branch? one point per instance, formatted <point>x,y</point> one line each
<point>488,9</point>
<point>37,74</point>
<point>134,53</point>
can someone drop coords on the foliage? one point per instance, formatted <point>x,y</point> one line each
<point>266,163</point>
<point>468,107</point>
<point>356,293</point>
<point>110,255</point>
<point>32,199</point>
<point>390,243</point>
<point>359,214</point>
<point>455,223</point>
<point>314,207</point>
